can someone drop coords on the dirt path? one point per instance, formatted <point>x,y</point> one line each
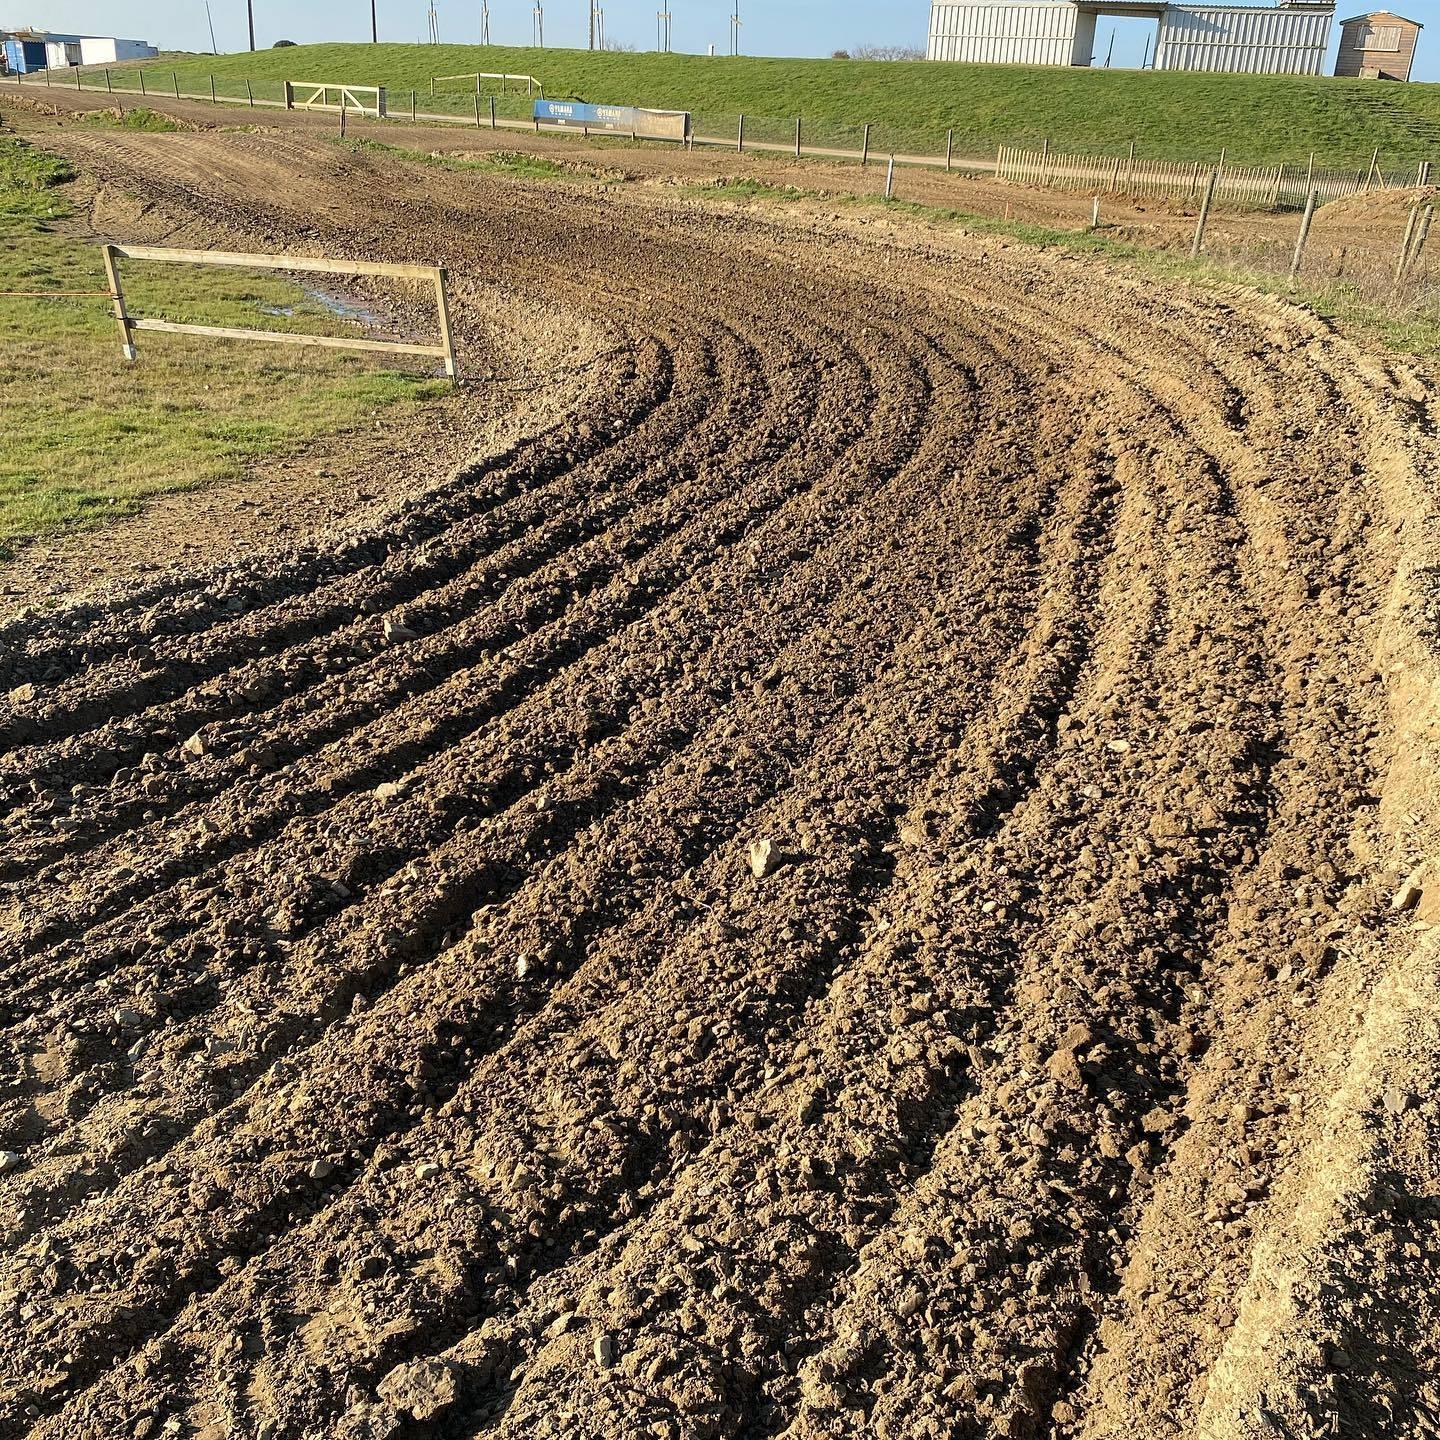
<point>839,885</point>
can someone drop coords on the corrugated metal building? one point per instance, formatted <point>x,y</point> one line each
<point>1289,39</point>
<point>1378,46</point>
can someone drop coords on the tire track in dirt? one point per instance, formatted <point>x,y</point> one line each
<point>1024,608</point>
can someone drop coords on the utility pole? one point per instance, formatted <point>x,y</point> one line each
<point>735,29</point>
<point>374,28</point>
<point>662,31</point>
<point>592,24</point>
<point>250,16</point>
<point>485,22</point>
<point>537,15</point>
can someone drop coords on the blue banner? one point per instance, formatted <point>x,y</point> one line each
<point>647,124</point>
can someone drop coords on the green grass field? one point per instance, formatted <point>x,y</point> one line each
<point>1256,119</point>
<point>88,436</point>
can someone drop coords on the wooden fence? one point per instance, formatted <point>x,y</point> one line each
<point>129,324</point>
<point>1270,187</point>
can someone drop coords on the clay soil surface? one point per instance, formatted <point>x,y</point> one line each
<point>844,870</point>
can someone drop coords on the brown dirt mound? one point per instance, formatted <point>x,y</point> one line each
<point>842,887</point>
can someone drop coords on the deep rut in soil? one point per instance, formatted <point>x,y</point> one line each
<point>399,1040</point>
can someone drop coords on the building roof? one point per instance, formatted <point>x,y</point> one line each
<point>1385,14</point>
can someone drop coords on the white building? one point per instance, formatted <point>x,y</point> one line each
<point>1288,39</point>
<point>63,50</point>
<point>98,50</point>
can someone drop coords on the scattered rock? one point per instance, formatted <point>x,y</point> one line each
<point>9,1160</point>
<point>397,634</point>
<point>605,1351</point>
<point>1407,897</point>
<point>1397,1102</point>
<point>1120,747</point>
<point>765,859</point>
<point>23,694</point>
<point>424,1388</point>
<point>390,790</point>
<point>426,1170</point>
<point>196,745</point>
<point>320,1169</point>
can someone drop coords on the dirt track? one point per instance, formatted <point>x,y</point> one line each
<point>416,1050</point>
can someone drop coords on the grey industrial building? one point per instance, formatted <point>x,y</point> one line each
<point>1286,39</point>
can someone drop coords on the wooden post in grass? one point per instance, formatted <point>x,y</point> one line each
<point>1130,168</point>
<point>890,180</point>
<point>142,81</point>
<point>740,137</point>
<point>110,89</point>
<point>1402,261</point>
<point>249,94</point>
<point>212,90</point>
<point>1198,243</point>
<point>1424,235</point>
<point>1370,173</point>
<point>477,111</point>
<point>342,114</point>
<point>412,107</point>
<point>1304,235</point>
<point>1095,213</point>
<point>77,77</point>
<point>865,148</point>
<point>432,87</point>
<point>797,137</point>
<point>949,148</point>
<point>492,113</point>
<point>1310,173</point>
<point>117,300</point>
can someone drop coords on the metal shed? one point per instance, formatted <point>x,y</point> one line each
<point>1378,46</point>
<point>1288,39</point>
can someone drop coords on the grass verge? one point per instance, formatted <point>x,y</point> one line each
<point>89,436</point>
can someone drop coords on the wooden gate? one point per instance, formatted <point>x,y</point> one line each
<point>356,99</point>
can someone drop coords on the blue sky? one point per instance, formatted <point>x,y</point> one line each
<point>771,27</point>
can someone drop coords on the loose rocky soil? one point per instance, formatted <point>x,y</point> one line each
<point>849,875</point>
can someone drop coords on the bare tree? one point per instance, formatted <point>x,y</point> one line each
<point>886,52</point>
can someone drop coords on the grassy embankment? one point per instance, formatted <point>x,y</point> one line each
<point>1256,119</point>
<point>88,436</point>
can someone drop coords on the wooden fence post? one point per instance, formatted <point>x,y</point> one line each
<point>110,89</point>
<point>1199,240</point>
<point>1304,235</point>
<point>1402,261</point>
<point>412,106</point>
<point>865,148</point>
<point>1369,174</point>
<point>740,136</point>
<point>1095,212</point>
<point>342,114</point>
<point>249,94</point>
<point>797,137</point>
<point>949,148</point>
<point>890,180</point>
<point>212,90</point>
<point>1424,235</point>
<point>1130,167</point>
<point>442,308</point>
<point>492,113</point>
<point>117,300</point>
